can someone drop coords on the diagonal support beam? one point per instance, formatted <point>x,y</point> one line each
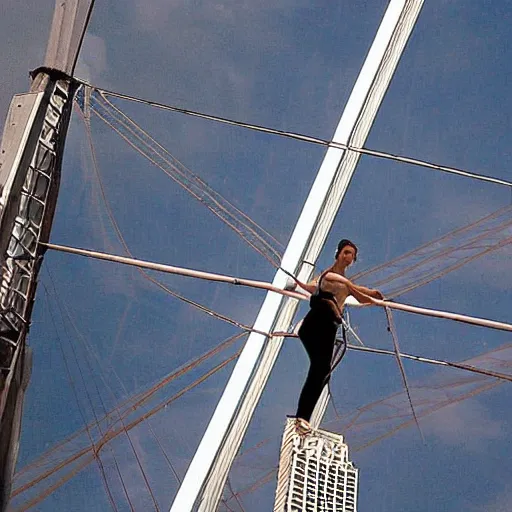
<point>207,473</point>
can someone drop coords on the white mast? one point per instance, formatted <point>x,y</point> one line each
<point>207,473</point>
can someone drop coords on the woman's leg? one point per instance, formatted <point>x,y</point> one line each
<point>318,339</point>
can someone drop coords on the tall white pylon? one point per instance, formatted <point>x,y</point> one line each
<point>207,473</point>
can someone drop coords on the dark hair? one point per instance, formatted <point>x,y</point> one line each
<point>343,243</point>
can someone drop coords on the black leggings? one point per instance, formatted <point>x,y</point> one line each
<point>318,335</point>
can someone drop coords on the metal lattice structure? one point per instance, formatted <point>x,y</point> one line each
<point>36,128</point>
<point>30,163</point>
<point>315,474</point>
<point>21,257</point>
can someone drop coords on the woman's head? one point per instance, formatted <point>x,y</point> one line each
<point>347,250</point>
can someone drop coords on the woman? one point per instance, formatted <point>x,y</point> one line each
<point>319,327</point>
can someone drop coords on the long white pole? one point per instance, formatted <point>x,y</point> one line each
<point>170,269</point>
<point>207,472</point>
<point>262,285</point>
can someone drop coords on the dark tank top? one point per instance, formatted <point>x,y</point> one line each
<point>326,301</point>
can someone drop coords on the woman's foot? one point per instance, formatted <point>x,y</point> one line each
<point>302,426</point>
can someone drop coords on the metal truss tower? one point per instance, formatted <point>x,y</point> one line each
<point>30,163</point>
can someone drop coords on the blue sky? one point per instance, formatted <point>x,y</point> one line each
<point>289,65</point>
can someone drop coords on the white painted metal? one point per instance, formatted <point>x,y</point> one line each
<point>18,144</point>
<point>168,269</point>
<point>409,11</point>
<point>70,20</point>
<point>208,470</point>
<point>20,117</point>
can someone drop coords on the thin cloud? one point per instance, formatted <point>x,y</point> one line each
<point>92,63</point>
<point>501,503</point>
<point>466,424</point>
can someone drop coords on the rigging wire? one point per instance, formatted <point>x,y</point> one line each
<point>434,274</point>
<point>428,278</point>
<point>122,240</point>
<point>392,330</point>
<point>384,402</point>
<point>265,479</point>
<point>426,360</point>
<point>259,483</point>
<point>132,404</point>
<point>96,455</point>
<point>303,138</point>
<point>407,388</point>
<point>144,136</point>
<point>50,490</point>
<point>498,379</point>
<point>349,148</point>
<point>142,398</point>
<point>334,424</point>
<point>112,434</point>
<point>408,423</point>
<point>120,234</point>
<point>117,409</point>
<point>397,354</point>
<point>269,476</point>
<point>63,309</point>
<point>336,421</point>
<point>137,458</point>
<point>445,252</point>
<point>378,351</point>
<point>117,339</point>
<point>237,499</point>
<point>425,278</point>
<point>256,236</point>
<point>419,359</point>
<point>504,211</point>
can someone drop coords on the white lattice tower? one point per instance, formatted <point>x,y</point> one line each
<point>315,474</point>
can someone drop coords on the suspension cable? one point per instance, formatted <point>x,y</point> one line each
<point>64,310</point>
<point>113,433</point>
<point>419,359</point>
<point>137,458</point>
<point>96,455</point>
<point>256,236</point>
<point>392,330</point>
<point>123,242</point>
<point>303,138</point>
<point>439,362</point>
